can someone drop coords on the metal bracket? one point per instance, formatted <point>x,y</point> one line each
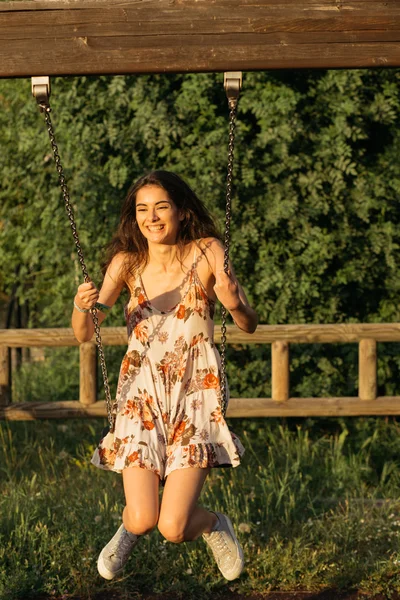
<point>41,91</point>
<point>233,84</point>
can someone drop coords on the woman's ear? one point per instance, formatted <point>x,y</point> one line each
<point>182,215</point>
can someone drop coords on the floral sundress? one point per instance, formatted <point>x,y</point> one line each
<point>168,402</point>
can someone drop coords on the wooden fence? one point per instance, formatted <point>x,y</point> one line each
<point>279,336</point>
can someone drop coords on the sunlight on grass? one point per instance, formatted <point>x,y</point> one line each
<point>313,507</point>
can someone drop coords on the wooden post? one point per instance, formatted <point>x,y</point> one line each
<point>367,370</point>
<point>13,359</point>
<point>88,372</point>
<point>5,388</point>
<point>280,371</point>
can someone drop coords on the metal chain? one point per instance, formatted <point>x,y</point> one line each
<point>64,188</point>
<point>232,103</point>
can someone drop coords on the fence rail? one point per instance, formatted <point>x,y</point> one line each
<point>279,336</point>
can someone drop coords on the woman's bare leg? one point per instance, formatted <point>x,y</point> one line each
<point>140,516</point>
<point>181,519</point>
<point>141,486</point>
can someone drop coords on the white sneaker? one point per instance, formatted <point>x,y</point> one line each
<point>115,554</point>
<point>226,548</point>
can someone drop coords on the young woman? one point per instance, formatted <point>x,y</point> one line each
<point>169,426</point>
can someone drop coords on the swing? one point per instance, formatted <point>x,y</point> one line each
<point>232,85</point>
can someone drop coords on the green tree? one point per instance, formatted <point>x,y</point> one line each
<point>316,203</point>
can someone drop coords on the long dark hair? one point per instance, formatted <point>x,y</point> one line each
<point>197,222</point>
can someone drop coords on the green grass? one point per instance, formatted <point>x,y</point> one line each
<point>315,503</point>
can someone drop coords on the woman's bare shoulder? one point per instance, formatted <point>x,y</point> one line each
<point>212,248</point>
<point>117,267</point>
<point>209,244</point>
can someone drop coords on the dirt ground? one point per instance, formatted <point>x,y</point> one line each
<point>325,595</point>
<point>227,595</point>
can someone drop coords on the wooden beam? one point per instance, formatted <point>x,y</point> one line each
<point>341,333</point>
<point>238,408</point>
<point>75,37</point>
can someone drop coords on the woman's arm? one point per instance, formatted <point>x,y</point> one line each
<point>87,296</point>
<point>228,289</point>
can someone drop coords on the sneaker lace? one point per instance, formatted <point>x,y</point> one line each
<point>123,544</point>
<point>217,542</point>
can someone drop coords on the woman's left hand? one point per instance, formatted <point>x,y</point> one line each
<point>227,290</point>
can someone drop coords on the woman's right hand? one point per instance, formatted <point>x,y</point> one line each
<point>87,295</point>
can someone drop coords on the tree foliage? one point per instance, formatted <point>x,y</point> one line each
<point>316,204</point>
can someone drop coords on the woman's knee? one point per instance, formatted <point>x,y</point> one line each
<point>174,530</point>
<point>139,522</point>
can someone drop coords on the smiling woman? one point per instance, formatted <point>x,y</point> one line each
<point>159,192</point>
<point>157,215</point>
<point>169,422</point>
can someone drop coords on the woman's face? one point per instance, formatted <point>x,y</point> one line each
<point>157,215</point>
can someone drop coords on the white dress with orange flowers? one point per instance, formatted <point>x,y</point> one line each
<point>168,394</point>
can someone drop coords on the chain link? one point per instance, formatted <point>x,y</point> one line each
<point>232,103</point>
<point>64,188</point>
